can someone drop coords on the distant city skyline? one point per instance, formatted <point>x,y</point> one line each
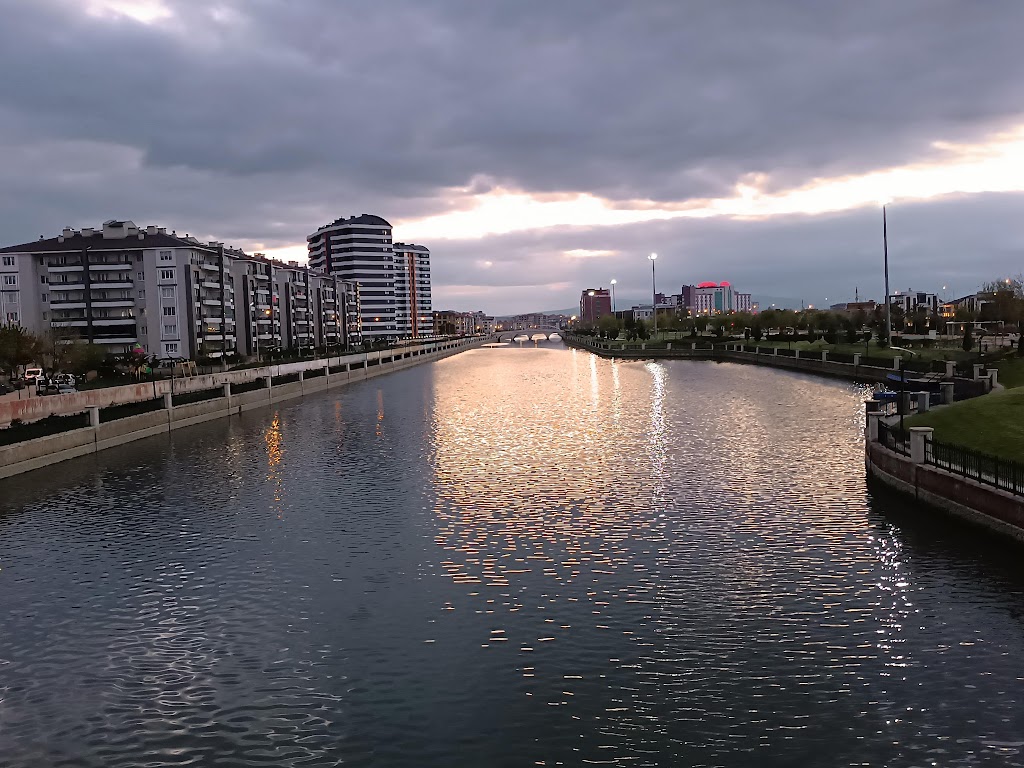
<point>538,148</point>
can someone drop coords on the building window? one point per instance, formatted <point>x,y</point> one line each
<point>10,279</point>
<point>42,279</point>
<point>45,298</point>
<point>142,330</point>
<point>142,275</point>
<point>167,292</point>
<point>142,293</point>
<point>12,317</point>
<point>170,349</point>
<point>45,316</point>
<point>170,330</point>
<point>166,274</point>
<point>166,256</point>
<point>170,311</point>
<point>8,261</point>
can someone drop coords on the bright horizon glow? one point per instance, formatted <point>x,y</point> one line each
<point>142,11</point>
<point>996,165</point>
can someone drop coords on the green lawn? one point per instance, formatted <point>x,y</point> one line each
<point>992,423</point>
<point>1011,372</point>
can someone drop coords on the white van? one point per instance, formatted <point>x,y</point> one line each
<point>31,374</point>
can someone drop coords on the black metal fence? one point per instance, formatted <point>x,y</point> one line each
<point>983,467</point>
<point>893,439</point>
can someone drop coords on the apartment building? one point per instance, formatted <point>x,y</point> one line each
<point>393,278</point>
<point>360,249</point>
<point>413,314</point>
<point>911,301</point>
<point>121,286</point>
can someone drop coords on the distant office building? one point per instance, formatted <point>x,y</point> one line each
<point>595,303</point>
<point>714,299</point>
<point>711,299</point>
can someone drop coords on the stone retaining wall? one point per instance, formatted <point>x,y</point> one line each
<point>951,493</point>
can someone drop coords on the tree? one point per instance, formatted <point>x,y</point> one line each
<point>831,335</point>
<point>758,332</point>
<point>720,330</point>
<point>17,347</point>
<point>1012,285</point>
<point>968,343</point>
<point>82,357</point>
<point>609,325</point>
<point>1020,345</point>
<point>642,330</point>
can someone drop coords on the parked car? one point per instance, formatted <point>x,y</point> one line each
<point>31,374</point>
<point>5,388</point>
<point>65,383</point>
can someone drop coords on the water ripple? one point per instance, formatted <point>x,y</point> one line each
<point>516,556</point>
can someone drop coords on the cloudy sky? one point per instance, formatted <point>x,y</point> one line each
<point>538,146</point>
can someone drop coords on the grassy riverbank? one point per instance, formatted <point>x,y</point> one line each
<point>993,423</point>
<point>1011,372</point>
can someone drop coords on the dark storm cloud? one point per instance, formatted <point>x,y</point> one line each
<point>259,119</point>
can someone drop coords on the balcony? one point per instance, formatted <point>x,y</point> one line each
<point>112,303</point>
<point>116,265</point>
<point>64,268</point>
<point>73,304</point>
<point>105,284</point>
<point>209,267</point>
<point>211,284</point>
<point>103,321</point>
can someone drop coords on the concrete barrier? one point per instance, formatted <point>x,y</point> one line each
<point>35,408</point>
<point>44,451</point>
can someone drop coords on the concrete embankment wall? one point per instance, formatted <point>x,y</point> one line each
<point>957,495</point>
<point>818,362</point>
<point>44,451</point>
<point>35,408</point>
<point>736,353</point>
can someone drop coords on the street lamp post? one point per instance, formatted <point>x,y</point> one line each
<point>614,281</point>
<point>888,304</point>
<point>654,293</point>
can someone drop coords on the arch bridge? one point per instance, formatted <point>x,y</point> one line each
<point>532,333</point>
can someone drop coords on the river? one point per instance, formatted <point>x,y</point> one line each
<point>516,556</point>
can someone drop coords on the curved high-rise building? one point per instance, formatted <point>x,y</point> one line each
<point>359,249</point>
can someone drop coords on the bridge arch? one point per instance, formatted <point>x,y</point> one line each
<point>531,333</point>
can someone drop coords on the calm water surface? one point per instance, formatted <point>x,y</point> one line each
<point>511,557</point>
